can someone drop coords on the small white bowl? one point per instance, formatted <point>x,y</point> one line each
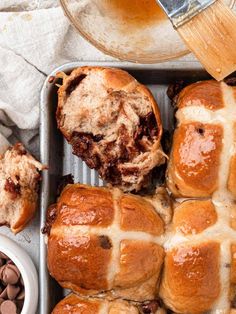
<point>27,270</point>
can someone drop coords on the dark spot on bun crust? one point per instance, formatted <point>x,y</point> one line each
<point>105,242</point>
<point>200,131</point>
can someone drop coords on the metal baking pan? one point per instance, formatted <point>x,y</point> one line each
<point>56,153</point>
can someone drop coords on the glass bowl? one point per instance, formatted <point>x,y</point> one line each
<point>131,30</point>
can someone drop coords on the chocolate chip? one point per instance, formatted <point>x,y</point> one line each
<point>98,137</point>
<point>12,291</point>
<point>20,149</point>
<point>73,84</point>
<point>10,274</point>
<point>21,295</point>
<point>13,188</point>
<point>83,147</point>
<point>105,242</point>
<point>177,187</point>
<point>21,281</point>
<point>19,305</point>
<point>150,307</point>
<point>2,262</point>
<point>8,307</point>
<point>200,131</point>
<point>3,294</point>
<point>1,271</point>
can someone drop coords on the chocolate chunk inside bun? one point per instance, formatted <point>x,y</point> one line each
<point>19,178</point>
<point>113,123</point>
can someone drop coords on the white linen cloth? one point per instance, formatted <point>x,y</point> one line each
<point>35,38</point>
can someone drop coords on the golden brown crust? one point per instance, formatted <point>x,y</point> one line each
<point>206,93</point>
<point>206,126</point>
<point>232,176</point>
<point>194,216</point>
<point>116,78</point>
<point>27,213</point>
<point>139,261</point>
<point>195,160</point>
<point>187,285</point>
<point>137,214</point>
<point>76,261</point>
<point>233,216</point>
<point>75,211</point>
<point>96,257</point>
<point>72,304</point>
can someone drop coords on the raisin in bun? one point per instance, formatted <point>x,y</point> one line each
<point>113,123</point>
<point>78,305</point>
<point>203,157</point>
<point>199,273</point>
<point>19,178</point>
<point>102,240</point>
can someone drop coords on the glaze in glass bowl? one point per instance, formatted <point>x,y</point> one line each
<point>142,35</point>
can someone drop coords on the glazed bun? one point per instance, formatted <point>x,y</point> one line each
<point>113,123</point>
<point>104,241</point>
<point>19,180</point>
<point>203,157</point>
<point>199,273</point>
<point>78,305</point>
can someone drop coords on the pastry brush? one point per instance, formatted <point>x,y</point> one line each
<point>208,28</point>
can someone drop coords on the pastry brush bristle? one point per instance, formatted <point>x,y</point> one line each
<point>211,36</point>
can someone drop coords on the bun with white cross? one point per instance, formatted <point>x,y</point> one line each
<point>199,270</point>
<point>104,241</point>
<point>203,157</point>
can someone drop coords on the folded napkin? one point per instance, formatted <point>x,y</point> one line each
<point>35,38</point>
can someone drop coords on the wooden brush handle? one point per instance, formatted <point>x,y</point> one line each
<point>211,36</point>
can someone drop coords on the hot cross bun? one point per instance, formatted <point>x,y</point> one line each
<point>200,264</point>
<point>203,157</point>
<point>104,241</point>
<point>113,123</point>
<point>79,305</point>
